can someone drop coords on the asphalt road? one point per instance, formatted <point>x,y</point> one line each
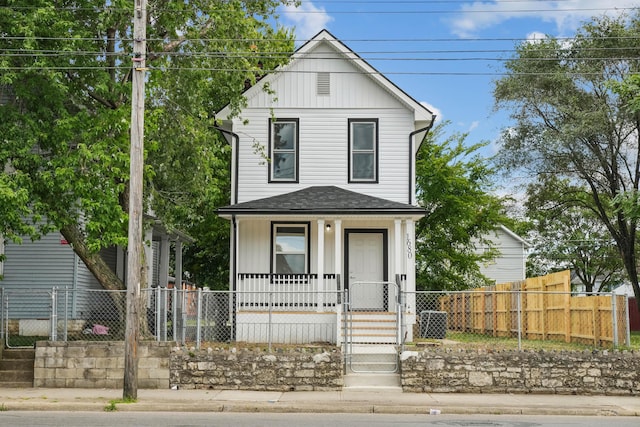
<point>191,419</point>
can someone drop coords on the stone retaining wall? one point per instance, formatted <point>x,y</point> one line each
<point>90,364</point>
<point>253,368</point>
<point>472,371</point>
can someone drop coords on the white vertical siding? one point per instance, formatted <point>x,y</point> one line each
<point>323,153</point>
<point>323,130</point>
<point>255,241</point>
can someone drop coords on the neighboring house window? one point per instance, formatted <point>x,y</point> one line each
<point>283,150</point>
<point>363,150</point>
<point>290,248</point>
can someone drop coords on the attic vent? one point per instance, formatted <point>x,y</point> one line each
<point>324,84</point>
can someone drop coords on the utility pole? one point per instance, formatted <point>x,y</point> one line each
<point>134,245</point>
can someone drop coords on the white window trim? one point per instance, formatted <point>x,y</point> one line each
<point>295,150</point>
<point>374,151</point>
<point>307,249</point>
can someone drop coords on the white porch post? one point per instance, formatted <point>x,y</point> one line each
<point>411,252</point>
<point>337,238</point>
<point>235,268</point>
<point>410,284</point>
<point>399,251</point>
<point>337,268</point>
<point>320,268</point>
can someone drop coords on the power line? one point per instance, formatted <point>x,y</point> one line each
<point>394,11</point>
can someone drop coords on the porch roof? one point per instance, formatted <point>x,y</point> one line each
<point>322,200</point>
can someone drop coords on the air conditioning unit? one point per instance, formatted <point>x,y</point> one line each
<point>433,324</point>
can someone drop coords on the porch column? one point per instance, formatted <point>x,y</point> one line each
<point>148,257</point>
<point>178,255</point>
<point>163,271</point>
<point>410,285</point>
<point>320,268</point>
<point>399,251</point>
<point>337,269</point>
<point>337,238</point>
<point>163,281</point>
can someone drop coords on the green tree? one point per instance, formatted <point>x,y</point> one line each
<point>65,72</point>
<point>453,185</point>
<point>571,237</point>
<point>569,126</point>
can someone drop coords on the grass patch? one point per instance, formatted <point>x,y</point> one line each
<point>471,341</point>
<point>111,407</point>
<point>3,408</point>
<point>25,341</point>
<point>635,340</point>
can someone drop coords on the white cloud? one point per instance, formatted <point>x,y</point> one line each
<point>567,15</point>
<point>434,110</point>
<point>536,36</point>
<point>474,125</point>
<point>307,19</point>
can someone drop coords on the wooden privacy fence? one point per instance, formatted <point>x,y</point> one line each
<point>541,308</point>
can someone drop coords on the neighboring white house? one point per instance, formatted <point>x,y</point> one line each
<point>332,206</point>
<point>511,263</point>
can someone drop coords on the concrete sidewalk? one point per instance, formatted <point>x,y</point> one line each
<point>390,401</point>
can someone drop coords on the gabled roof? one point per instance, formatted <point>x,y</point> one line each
<point>325,200</point>
<point>422,113</point>
<point>515,236</point>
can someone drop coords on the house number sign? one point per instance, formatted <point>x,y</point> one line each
<point>409,247</point>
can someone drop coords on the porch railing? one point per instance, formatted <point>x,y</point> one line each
<point>287,292</point>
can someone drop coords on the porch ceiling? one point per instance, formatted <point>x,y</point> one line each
<point>322,200</point>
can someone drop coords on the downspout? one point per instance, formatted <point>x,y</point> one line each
<point>235,166</point>
<point>411,153</point>
<point>234,242</point>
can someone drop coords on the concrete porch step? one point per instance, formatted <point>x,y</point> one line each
<point>378,359</point>
<point>387,382</point>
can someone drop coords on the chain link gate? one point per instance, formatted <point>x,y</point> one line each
<point>27,316</point>
<point>372,321</point>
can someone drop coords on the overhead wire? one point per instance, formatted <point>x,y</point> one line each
<point>458,55</point>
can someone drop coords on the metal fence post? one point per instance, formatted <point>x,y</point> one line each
<point>174,313</point>
<point>198,317</point>
<point>269,325</point>
<point>627,321</point>
<point>53,329</point>
<point>65,330</point>
<point>614,319</point>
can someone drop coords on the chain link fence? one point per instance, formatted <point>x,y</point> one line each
<point>514,319</point>
<point>519,319</point>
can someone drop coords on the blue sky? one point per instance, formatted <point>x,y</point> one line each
<point>446,53</point>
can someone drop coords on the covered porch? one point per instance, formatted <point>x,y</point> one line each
<point>301,269</point>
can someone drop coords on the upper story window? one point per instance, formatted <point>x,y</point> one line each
<point>290,248</point>
<point>283,150</point>
<point>363,150</point>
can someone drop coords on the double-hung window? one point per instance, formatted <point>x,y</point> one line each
<point>283,150</point>
<point>363,150</point>
<point>290,248</point>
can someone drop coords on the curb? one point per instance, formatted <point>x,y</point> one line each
<point>275,407</point>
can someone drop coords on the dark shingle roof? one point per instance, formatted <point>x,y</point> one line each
<point>321,200</point>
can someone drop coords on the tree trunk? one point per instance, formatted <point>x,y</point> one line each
<point>96,265</point>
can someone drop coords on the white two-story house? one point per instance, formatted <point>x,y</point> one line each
<point>323,200</point>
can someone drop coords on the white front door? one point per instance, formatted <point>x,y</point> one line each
<point>366,270</point>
